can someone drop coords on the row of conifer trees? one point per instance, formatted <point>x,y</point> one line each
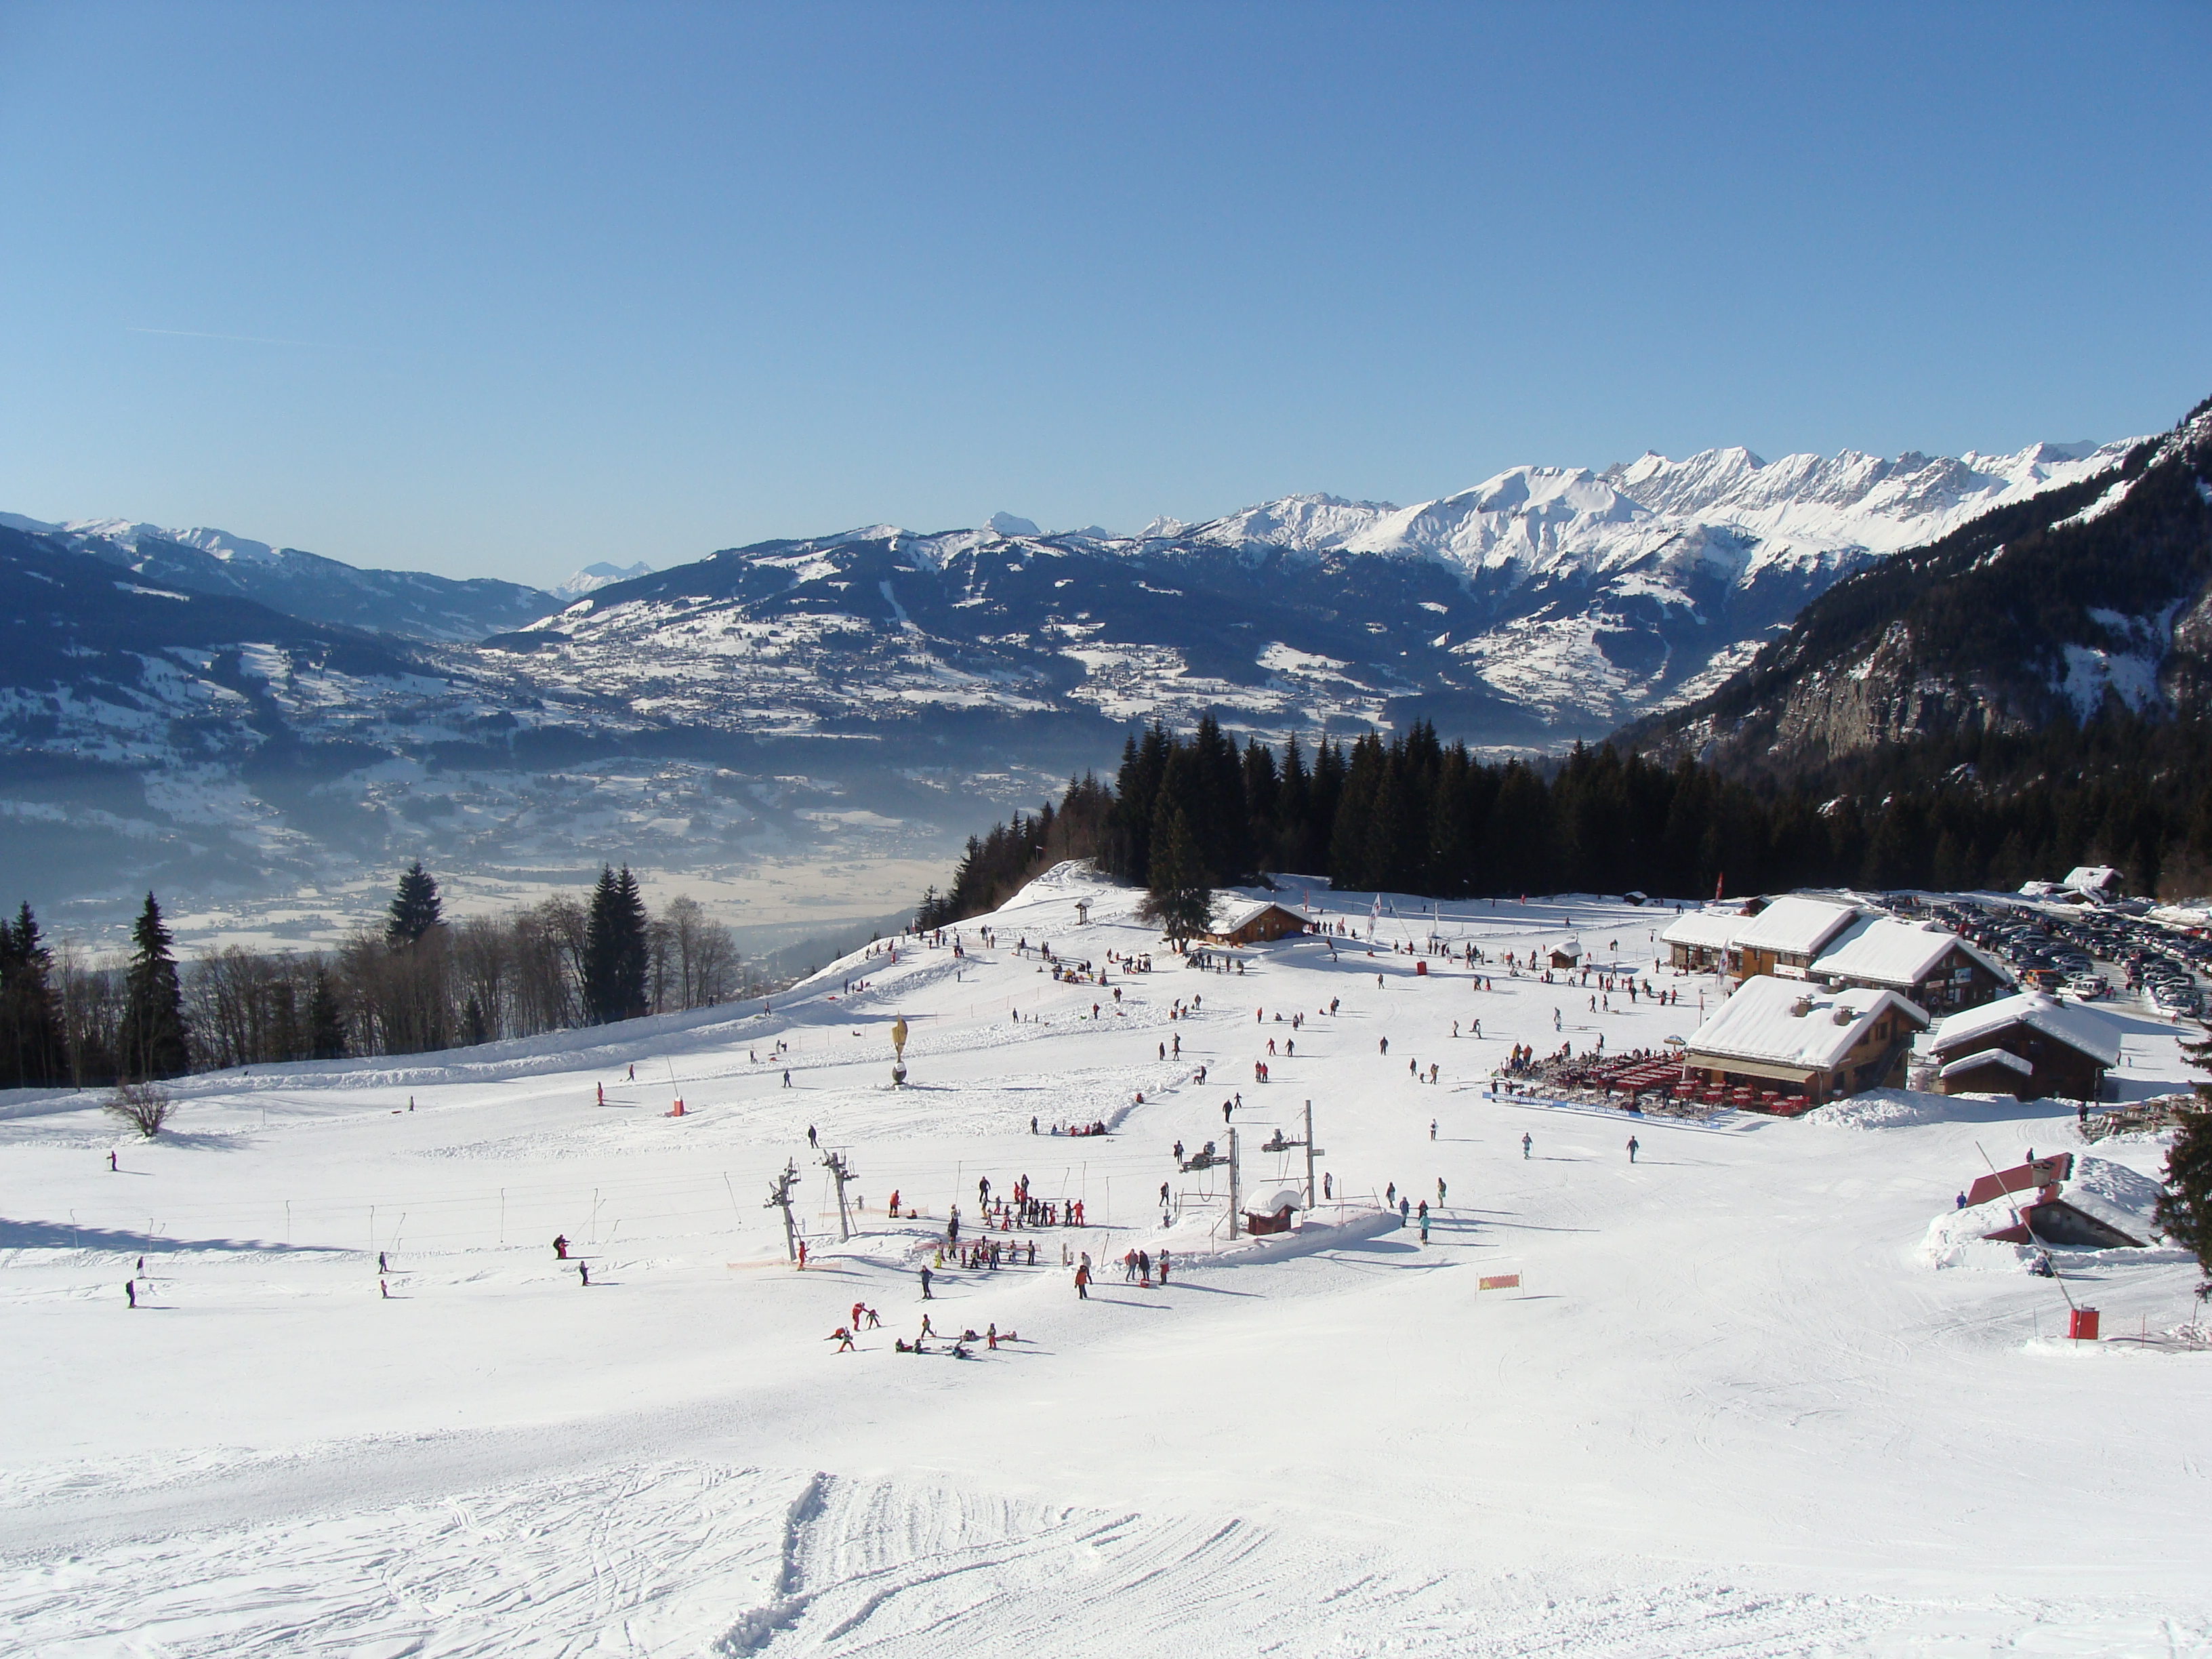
<point>422,983</point>
<point>1411,814</point>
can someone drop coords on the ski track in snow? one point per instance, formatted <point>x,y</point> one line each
<point>692,1558</point>
<point>1739,1409</point>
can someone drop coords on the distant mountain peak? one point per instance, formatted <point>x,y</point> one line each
<point>1011,523</point>
<point>592,577</point>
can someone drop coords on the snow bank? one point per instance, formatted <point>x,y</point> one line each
<point>1908,1108</point>
<point>1955,1240</point>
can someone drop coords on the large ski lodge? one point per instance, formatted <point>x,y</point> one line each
<point>1837,944</point>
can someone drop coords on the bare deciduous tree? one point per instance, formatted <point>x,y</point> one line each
<point>144,1106</point>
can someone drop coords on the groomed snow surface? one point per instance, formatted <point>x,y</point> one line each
<point>1735,1407</point>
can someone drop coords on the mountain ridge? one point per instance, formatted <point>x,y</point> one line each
<point>2091,596</point>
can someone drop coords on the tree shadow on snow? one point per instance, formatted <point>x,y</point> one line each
<point>1210,1289</point>
<point>60,1236</point>
<point>1537,1227</point>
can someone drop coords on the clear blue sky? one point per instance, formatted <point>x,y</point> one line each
<point>514,287</point>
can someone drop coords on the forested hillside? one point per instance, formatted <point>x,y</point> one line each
<point>2088,599</point>
<point>1411,814</point>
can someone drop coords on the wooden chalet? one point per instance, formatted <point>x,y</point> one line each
<point>1253,922</point>
<point>1931,965</point>
<point>2031,1046</point>
<point>1774,1033</point>
<point>1784,939</point>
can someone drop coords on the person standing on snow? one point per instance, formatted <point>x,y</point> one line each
<point>1631,1149</point>
<point>131,1290</point>
<point>1440,1192</point>
<point>926,1295</point>
<point>560,1247</point>
<point>1526,1143</point>
<point>1082,1280</point>
<point>584,1274</point>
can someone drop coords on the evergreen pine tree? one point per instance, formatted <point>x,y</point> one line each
<point>615,952</point>
<point>154,1039</point>
<point>326,1038</point>
<point>415,908</point>
<point>1177,898</point>
<point>31,1050</point>
<point>2184,1208</point>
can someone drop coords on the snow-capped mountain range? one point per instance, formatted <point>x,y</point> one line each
<point>411,603</point>
<point>2060,606</point>
<point>1544,602</point>
<point>883,670</point>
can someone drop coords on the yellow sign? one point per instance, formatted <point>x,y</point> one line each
<point>898,1037</point>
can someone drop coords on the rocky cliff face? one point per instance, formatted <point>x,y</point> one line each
<point>2093,597</point>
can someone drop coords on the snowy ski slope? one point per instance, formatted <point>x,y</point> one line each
<point>1735,1407</point>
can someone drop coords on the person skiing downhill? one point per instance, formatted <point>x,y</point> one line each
<point>584,1274</point>
<point>560,1247</point>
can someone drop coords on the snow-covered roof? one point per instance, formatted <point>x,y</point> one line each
<point>1231,911</point>
<point>1987,1057</point>
<point>1568,947</point>
<point>1797,925</point>
<point>2092,878</point>
<point>1711,929</point>
<point>1892,952</point>
<point>1788,1023</point>
<point>2076,1026</point>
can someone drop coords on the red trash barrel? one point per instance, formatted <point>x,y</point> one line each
<point>2081,1324</point>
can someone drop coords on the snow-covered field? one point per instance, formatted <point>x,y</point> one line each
<point>1734,1407</point>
